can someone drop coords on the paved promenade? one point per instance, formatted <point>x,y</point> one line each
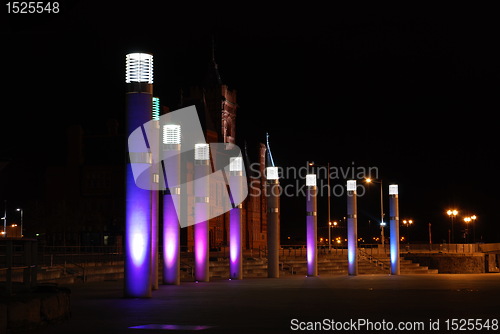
<point>269,305</point>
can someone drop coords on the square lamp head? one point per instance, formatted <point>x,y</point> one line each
<point>311,180</point>
<point>171,134</point>
<point>201,152</point>
<point>235,164</point>
<point>272,173</point>
<point>351,185</point>
<point>393,189</point>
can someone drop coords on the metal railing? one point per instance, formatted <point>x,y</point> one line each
<point>375,260</point>
<point>51,256</point>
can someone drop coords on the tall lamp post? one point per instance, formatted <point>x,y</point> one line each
<point>473,217</point>
<point>202,169</point>
<point>273,221</point>
<point>235,218</point>
<point>467,220</point>
<point>452,213</point>
<point>382,223</point>
<point>312,225</point>
<point>138,243</point>
<point>394,228</point>
<point>21,211</point>
<point>311,164</point>
<point>352,229</point>
<point>171,199</point>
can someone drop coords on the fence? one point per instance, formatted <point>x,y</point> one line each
<point>18,255</point>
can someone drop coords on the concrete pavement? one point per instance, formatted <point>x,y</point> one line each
<point>265,305</point>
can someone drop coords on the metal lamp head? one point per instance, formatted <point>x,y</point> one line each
<point>393,189</point>
<point>272,173</point>
<point>311,180</point>
<point>139,68</point>
<point>351,185</point>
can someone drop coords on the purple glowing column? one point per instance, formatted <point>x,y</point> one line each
<point>394,225</point>
<point>138,201</point>
<point>171,199</point>
<point>201,212</point>
<point>311,225</point>
<point>235,230</point>
<point>352,229</point>
<point>273,222</point>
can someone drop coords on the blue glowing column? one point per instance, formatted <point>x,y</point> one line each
<point>273,222</point>
<point>171,201</point>
<point>352,229</point>
<point>394,225</point>
<point>311,225</point>
<point>235,230</point>
<point>201,212</point>
<point>138,201</point>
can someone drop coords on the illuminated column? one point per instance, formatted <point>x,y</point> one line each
<point>273,222</point>
<point>352,229</point>
<point>235,230</point>
<point>394,221</point>
<point>171,198</point>
<point>139,79</point>
<point>155,136</point>
<point>201,212</point>
<point>311,225</point>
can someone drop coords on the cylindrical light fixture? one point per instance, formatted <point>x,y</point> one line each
<point>171,200</point>
<point>394,225</point>
<point>139,68</point>
<point>352,228</point>
<point>138,243</point>
<point>235,217</point>
<point>201,211</point>
<point>273,221</point>
<point>311,225</point>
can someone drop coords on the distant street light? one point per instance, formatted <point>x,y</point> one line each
<point>452,213</point>
<point>382,223</point>
<point>21,210</point>
<point>407,223</point>
<point>467,220</point>
<point>473,217</point>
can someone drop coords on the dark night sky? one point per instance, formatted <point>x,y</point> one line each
<point>411,91</point>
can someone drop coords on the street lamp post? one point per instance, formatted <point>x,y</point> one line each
<point>407,223</point>
<point>452,214</point>
<point>467,220</point>
<point>5,219</point>
<point>311,164</point>
<point>21,210</point>
<point>311,225</point>
<point>473,217</point>
<point>352,229</point>
<point>394,228</point>
<point>273,221</point>
<point>329,236</point>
